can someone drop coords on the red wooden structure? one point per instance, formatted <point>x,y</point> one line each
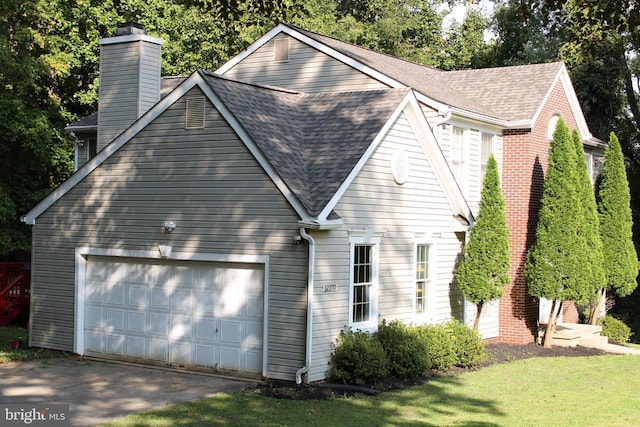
<point>15,279</point>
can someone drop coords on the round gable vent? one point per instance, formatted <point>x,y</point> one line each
<point>400,167</point>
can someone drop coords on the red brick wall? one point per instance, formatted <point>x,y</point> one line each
<point>524,162</point>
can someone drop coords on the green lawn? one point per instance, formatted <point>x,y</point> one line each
<point>580,391</point>
<point>8,354</point>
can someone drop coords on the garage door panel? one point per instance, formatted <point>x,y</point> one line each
<point>253,361</point>
<point>114,293</point>
<point>137,296</point>
<point>135,347</point>
<point>207,314</point>
<point>159,324</point>
<point>114,344</point>
<point>158,349</point>
<point>93,317</point>
<point>182,300</point>
<point>93,341</point>
<point>206,355</point>
<point>181,352</point>
<point>136,322</point>
<point>160,299</point>
<point>254,306</point>
<point>231,331</point>
<point>180,327</point>
<point>114,320</point>
<point>205,302</point>
<point>253,334</point>
<point>230,358</point>
<point>206,329</point>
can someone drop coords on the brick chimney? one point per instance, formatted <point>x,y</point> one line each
<point>129,79</point>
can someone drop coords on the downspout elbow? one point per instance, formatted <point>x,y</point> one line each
<point>309,335</point>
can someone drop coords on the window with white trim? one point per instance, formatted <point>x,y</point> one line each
<point>422,278</point>
<point>457,154</point>
<point>363,295</point>
<point>486,148</point>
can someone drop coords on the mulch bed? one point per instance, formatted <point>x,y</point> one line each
<point>498,353</point>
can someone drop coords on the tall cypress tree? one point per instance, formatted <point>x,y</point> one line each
<point>484,270</point>
<point>590,228</point>
<point>620,258</point>
<point>557,266</point>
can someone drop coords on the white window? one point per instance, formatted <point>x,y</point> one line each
<point>422,279</point>
<point>486,148</point>
<point>457,155</point>
<point>363,295</point>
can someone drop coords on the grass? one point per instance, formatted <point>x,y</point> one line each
<point>576,391</point>
<point>9,354</point>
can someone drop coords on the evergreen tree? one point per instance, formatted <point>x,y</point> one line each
<point>590,228</point>
<point>484,271</point>
<point>557,266</point>
<point>620,258</point>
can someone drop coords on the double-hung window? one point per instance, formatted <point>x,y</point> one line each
<point>422,278</point>
<point>363,296</point>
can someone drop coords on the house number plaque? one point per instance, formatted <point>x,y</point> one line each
<point>330,288</point>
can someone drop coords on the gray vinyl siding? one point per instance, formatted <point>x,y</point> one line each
<point>403,212</point>
<point>222,201</point>
<point>129,86</point>
<point>308,70</point>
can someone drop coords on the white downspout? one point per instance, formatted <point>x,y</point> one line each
<point>309,335</point>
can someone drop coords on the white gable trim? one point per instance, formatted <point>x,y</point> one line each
<point>574,104</point>
<point>194,80</point>
<point>410,106</point>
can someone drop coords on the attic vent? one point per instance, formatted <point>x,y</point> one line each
<point>195,113</point>
<point>400,167</point>
<point>281,50</point>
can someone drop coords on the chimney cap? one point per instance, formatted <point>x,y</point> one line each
<point>130,28</point>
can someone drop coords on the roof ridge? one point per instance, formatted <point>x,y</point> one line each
<point>246,83</point>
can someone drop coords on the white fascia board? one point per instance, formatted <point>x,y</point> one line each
<point>107,151</point>
<point>574,104</point>
<point>432,151</point>
<point>252,147</point>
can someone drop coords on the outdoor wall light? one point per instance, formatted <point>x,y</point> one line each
<point>169,226</point>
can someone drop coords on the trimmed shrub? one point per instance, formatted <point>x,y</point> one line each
<point>405,349</point>
<point>358,358</point>
<point>469,348</point>
<point>615,329</point>
<point>441,353</point>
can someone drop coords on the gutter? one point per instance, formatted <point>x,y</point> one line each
<point>309,335</point>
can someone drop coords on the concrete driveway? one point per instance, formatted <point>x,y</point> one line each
<point>100,391</point>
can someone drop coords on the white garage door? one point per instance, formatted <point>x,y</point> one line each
<point>181,313</point>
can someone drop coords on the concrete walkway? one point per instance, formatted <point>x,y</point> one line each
<point>98,391</point>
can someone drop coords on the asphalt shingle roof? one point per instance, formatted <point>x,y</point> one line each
<point>312,140</point>
<point>506,93</point>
